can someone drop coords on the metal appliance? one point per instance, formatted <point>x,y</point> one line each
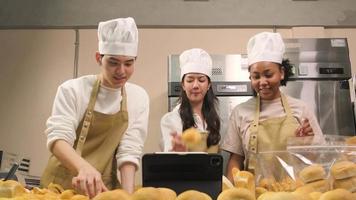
<point>321,79</point>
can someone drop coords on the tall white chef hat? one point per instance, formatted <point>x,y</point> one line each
<point>265,46</point>
<point>195,61</point>
<point>118,37</point>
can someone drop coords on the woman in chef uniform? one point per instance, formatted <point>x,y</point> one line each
<point>99,122</point>
<point>264,122</point>
<point>197,103</point>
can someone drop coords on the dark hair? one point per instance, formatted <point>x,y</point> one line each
<point>288,71</point>
<point>209,111</point>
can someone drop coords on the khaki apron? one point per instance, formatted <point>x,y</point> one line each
<point>270,134</point>
<point>98,137</point>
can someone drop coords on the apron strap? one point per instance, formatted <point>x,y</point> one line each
<point>286,105</point>
<point>88,117</point>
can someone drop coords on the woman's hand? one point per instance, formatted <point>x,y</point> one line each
<point>88,181</point>
<point>177,143</point>
<point>304,129</point>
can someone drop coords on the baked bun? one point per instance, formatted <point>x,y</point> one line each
<point>265,196</point>
<point>320,186</point>
<point>195,140</point>
<point>351,140</point>
<point>117,194</point>
<point>193,195</point>
<point>146,193</point>
<point>312,173</point>
<point>315,195</point>
<point>11,189</point>
<point>338,194</point>
<point>347,184</point>
<point>343,169</point>
<point>245,179</point>
<point>167,194</point>
<point>305,189</point>
<point>279,196</point>
<point>236,193</point>
<point>260,191</point>
<point>79,197</point>
<point>67,194</point>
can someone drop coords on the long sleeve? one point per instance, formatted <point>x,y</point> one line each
<point>64,120</point>
<point>132,142</point>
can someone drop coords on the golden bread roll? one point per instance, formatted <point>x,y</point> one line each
<point>245,179</point>
<point>343,169</point>
<point>266,183</point>
<point>279,196</point>
<point>67,194</point>
<point>10,189</point>
<point>305,189</point>
<point>312,173</point>
<point>265,196</point>
<point>236,193</point>
<point>315,195</point>
<point>167,194</point>
<point>117,194</point>
<point>56,188</point>
<point>320,186</point>
<point>347,184</point>
<point>351,140</point>
<point>226,183</point>
<point>195,140</point>
<point>146,193</point>
<point>260,191</point>
<point>353,195</point>
<point>192,195</point>
<point>337,194</point>
<point>79,197</point>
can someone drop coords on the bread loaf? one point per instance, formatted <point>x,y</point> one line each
<point>192,195</point>
<point>312,173</point>
<point>236,193</point>
<point>347,183</point>
<point>117,194</point>
<point>245,179</point>
<point>343,169</point>
<point>337,194</point>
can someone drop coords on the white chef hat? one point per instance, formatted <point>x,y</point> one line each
<point>118,37</point>
<point>195,61</point>
<point>265,46</point>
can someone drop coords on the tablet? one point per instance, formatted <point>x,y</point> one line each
<point>184,171</point>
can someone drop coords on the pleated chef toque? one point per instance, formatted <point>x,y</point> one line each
<point>195,61</point>
<point>118,37</point>
<point>265,46</point>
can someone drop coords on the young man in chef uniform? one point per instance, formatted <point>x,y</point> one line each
<point>99,122</point>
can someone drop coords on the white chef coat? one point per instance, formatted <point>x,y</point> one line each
<point>72,100</point>
<point>171,122</point>
<point>237,137</point>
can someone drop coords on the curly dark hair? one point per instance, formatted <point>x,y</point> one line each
<point>209,111</point>
<point>288,71</point>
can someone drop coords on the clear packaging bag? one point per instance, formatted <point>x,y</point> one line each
<point>279,170</point>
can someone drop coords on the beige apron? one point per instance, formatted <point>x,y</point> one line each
<point>270,134</point>
<point>98,136</point>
